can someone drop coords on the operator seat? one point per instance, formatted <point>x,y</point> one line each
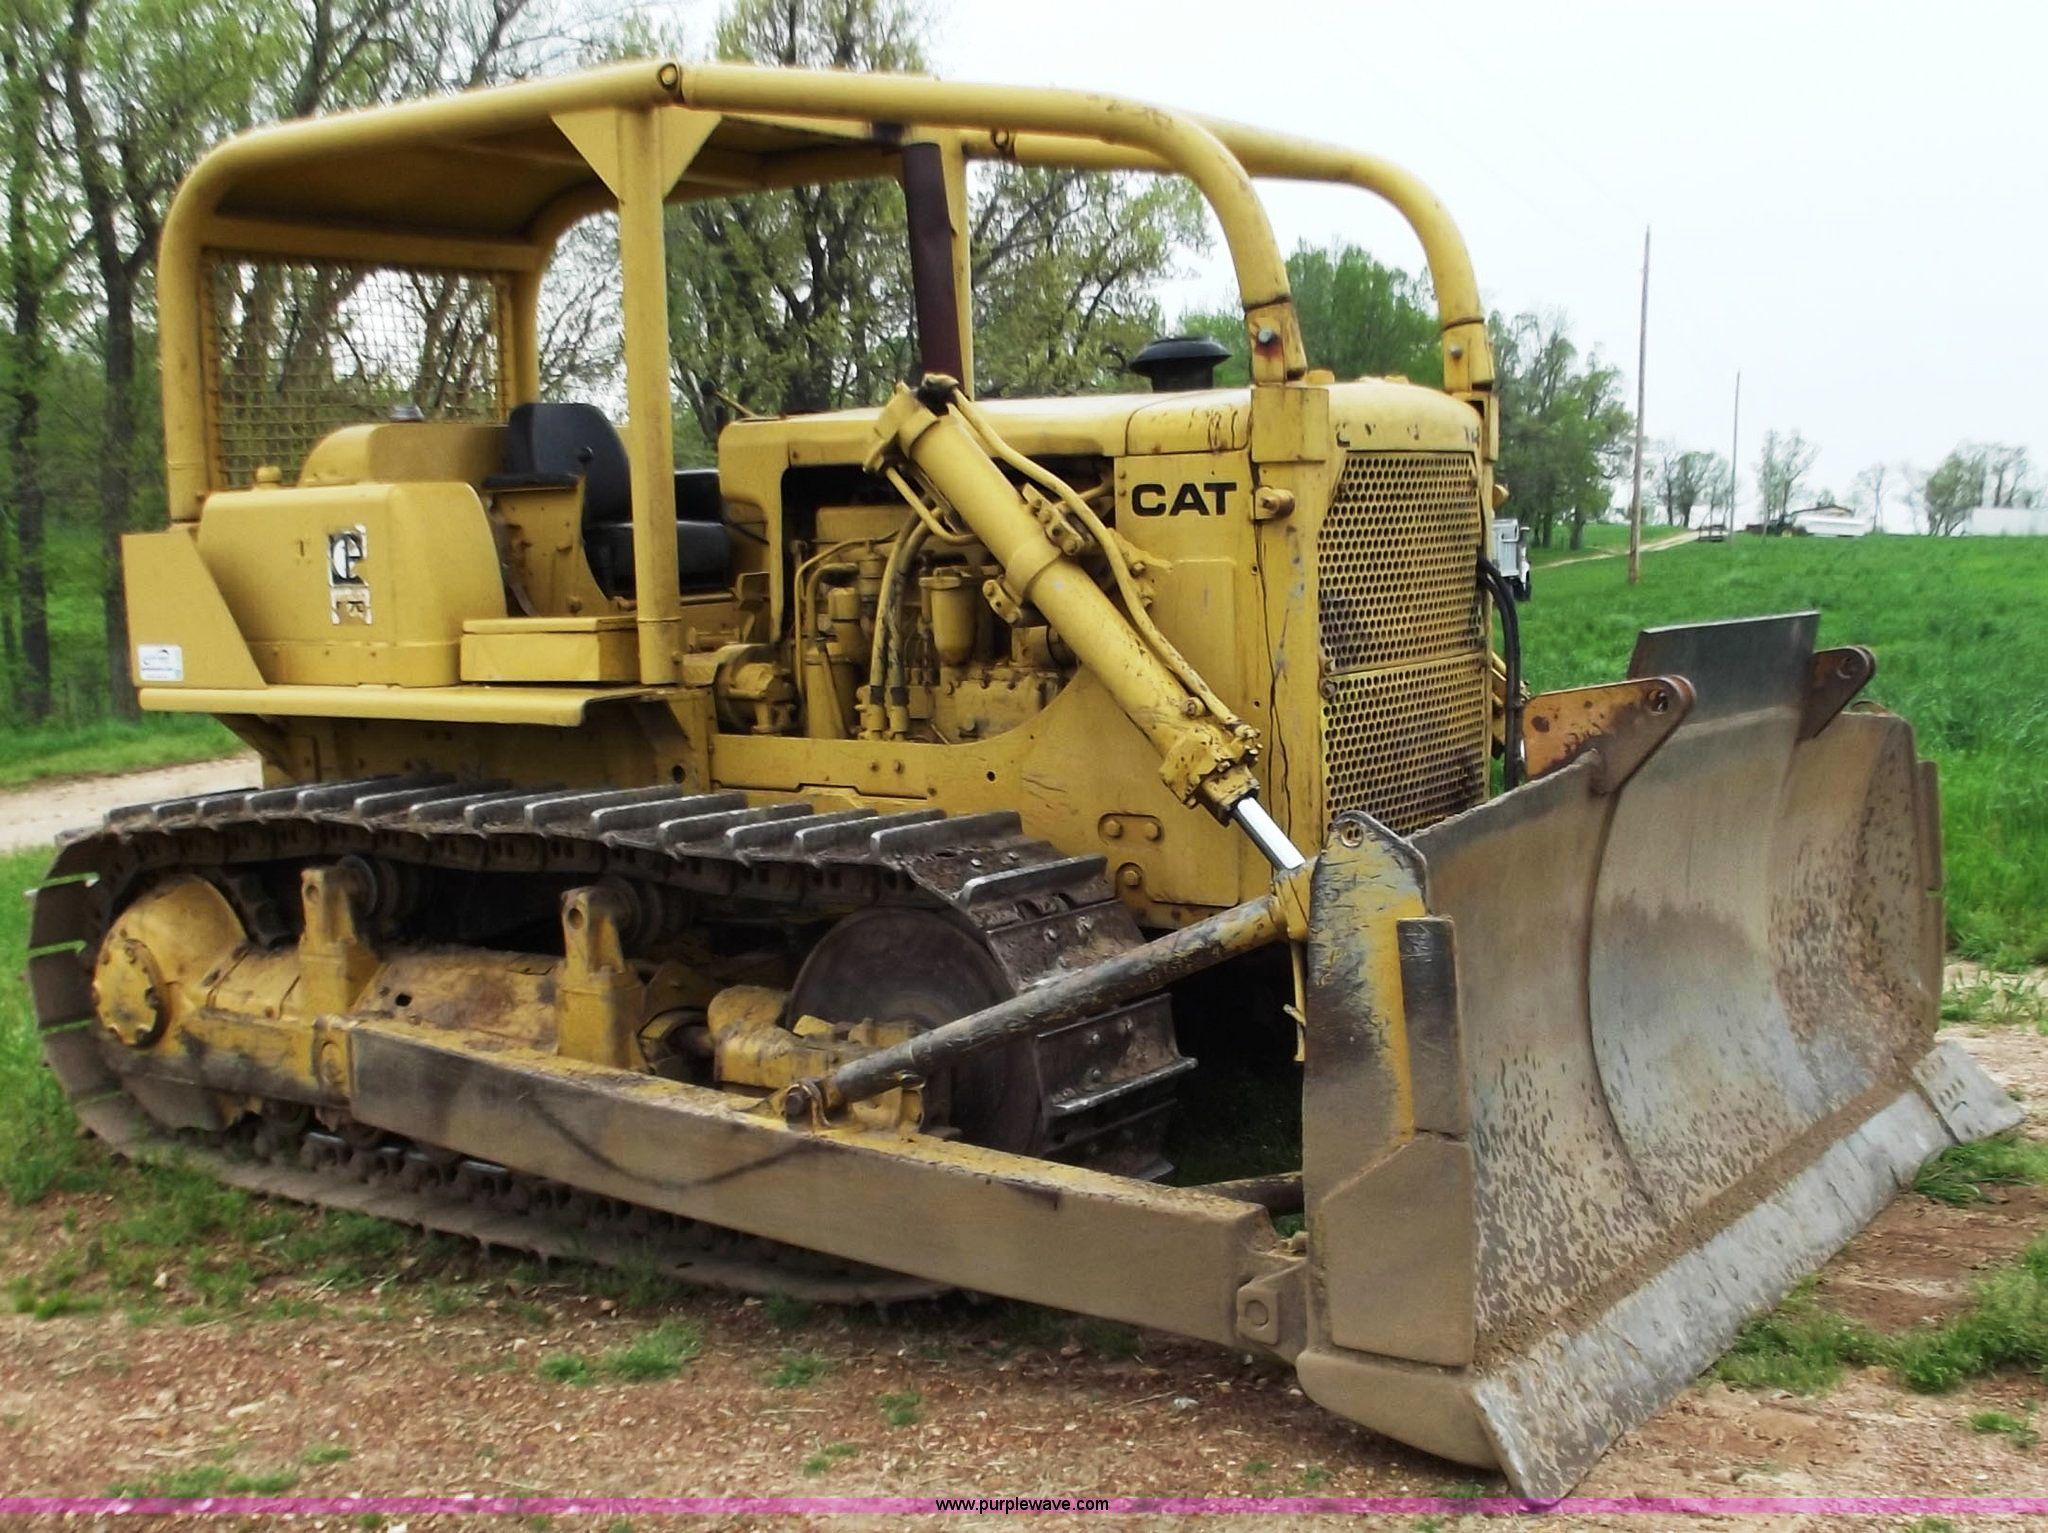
<point>564,442</point>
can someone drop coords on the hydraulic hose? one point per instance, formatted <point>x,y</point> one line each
<point>1496,585</point>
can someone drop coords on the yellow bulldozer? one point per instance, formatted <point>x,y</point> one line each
<point>867,867</point>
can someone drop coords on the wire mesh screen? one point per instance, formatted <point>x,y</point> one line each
<point>300,348</point>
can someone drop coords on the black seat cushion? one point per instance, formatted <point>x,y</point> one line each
<point>550,442</point>
<point>703,556</point>
<point>697,496</point>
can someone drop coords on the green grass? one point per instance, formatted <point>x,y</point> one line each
<point>904,1409</point>
<point>1800,1346</point>
<point>1600,538</point>
<point>206,1480</point>
<point>1959,1175</point>
<point>567,1368</point>
<point>1960,626</point>
<point>827,1456</point>
<point>798,1370</point>
<point>39,1145</point>
<point>29,753</point>
<point>660,1353</point>
<point>2014,1429</point>
<point>1804,1347</point>
<point>79,738</point>
<point>326,1453</point>
<point>1997,1000</point>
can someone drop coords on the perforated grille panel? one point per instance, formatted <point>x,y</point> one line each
<point>299,348</point>
<point>1407,745</point>
<point>1403,638</point>
<point>1396,558</point>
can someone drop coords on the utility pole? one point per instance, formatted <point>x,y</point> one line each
<point>1734,462</point>
<point>1635,499</point>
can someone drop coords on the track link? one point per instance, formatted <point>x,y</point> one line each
<point>1108,1081</point>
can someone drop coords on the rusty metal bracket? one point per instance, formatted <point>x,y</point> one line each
<point>1837,676</point>
<point>599,996</point>
<point>1623,721</point>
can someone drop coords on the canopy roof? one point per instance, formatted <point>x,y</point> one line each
<point>500,184</point>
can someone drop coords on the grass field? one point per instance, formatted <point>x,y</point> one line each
<point>1601,538</point>
<point>32,754</point>
<point>1960,626</point>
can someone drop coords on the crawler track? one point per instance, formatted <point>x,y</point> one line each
<point>1107,1081</point>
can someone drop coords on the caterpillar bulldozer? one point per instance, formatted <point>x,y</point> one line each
<point>878,863</point>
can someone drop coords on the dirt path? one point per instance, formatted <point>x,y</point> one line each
<point>434,1386</point>
<point>33,816</point>
<point>1622,553</point>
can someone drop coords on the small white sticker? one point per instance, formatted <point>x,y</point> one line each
<point>159,662</point>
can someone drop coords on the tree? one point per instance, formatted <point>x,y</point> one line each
<point>1688,478</point>
<point>2005,473</point>
<point>146,85</point>
<point>1868,489</point>
<point>1784,461</point>
<point>795,300</point>
<point>143,86</point>
<point>37,251</point>
<point>1952,491</point>
<point>1359,318</point>
<point>801,300</point>
<point>1064,267</point>
<point>1564,431</point>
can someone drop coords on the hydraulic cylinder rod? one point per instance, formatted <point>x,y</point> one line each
<point>1201,760</point>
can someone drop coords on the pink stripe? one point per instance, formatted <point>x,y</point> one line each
<point>816,1506</point>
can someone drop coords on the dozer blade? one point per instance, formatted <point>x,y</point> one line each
<point>1601,1069</point>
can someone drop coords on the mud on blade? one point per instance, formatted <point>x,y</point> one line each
<point>1602,1068</point>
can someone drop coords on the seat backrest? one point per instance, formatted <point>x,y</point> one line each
<point>697,496</point>
<point>565,440</point>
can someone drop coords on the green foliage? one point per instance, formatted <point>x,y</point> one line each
<point>797,1370</point>
<point>567,1368</point>
<point>1564,431</point>
<point>199,1480</point>
<point>1975,474</point>
<point>1959,1174</point>
<point>326,1453</point>
<point>1997,1000</point>
<point>1687,479</point>
<point>1362,319</point>
<point>1953,621</point>
<point>901,1409</point>
<point>2014,1429</point>
<point>1064,266</point>
<point>660,1353</point>
<point>1359,318</point>
<point>787,1314</point>
<point>1799,1347</point>
<point>828,1456</point>
<point>1804,1347</point>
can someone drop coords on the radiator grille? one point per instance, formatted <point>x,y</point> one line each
<point>1396,558</point>
<point>1403,637</point>
<point>1408,745</point>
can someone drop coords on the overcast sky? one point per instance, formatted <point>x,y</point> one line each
<point>1850,201</point>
